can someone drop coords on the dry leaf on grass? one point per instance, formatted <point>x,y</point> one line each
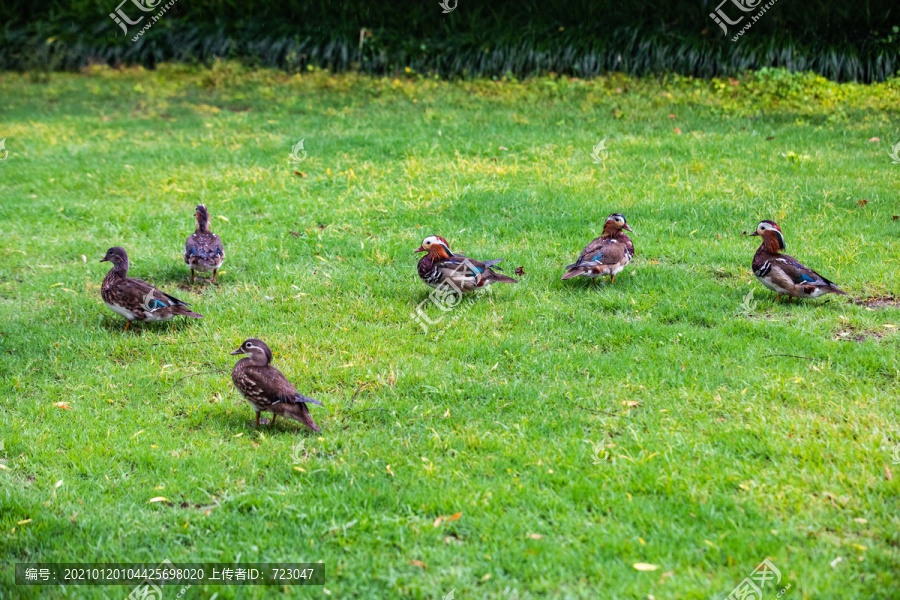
<point>887,473</point>
<point>874,139</point>
<point>159,499</point>
<point>418,563</point>
<point>453,517</point>
<point>630,403</point>
<point>677,131</point>
<point>645,567</point>
<point>62,405</point>
<point>534,536</point>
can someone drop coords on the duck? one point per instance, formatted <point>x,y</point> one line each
<point>606,255</point>
<point>784,274</point>
<point>266,388</point>
<point>135,299</point>
<point>203,250</point>
<point>440,267</point>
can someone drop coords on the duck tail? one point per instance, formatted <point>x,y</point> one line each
<point>184,311</point>
<point>574,272</point>
<point>299,412</point>
<point>836,290</point>
<point>495,277</point>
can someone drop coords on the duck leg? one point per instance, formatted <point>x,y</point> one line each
<point>272,422</point>
<point>215,271</point>
<point>127,325</point>
<point>192,276</point>
<point>611,279</point>
<point>258,421</point>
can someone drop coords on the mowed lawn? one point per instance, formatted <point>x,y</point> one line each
<point>565,431</point>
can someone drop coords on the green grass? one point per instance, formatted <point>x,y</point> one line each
<point>733,453</point>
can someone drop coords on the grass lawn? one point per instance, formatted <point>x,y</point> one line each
<point>579,428</point>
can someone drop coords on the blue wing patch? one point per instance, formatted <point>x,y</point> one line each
<point>806,277</point>
<point>154,304</point>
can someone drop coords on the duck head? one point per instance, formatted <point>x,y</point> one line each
<point>773,239</point>
<point>616,223</point>
<point>435,246</point>
<point>259,353</point>
<point>202,218</point>
<point>118,257</point>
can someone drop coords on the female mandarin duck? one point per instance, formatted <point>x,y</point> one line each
<point>606,255</point>
<point>135,299</point>
<point>441,267</point>
<point>784,274</point>
<point>203,250</point>
<point>266,388</point>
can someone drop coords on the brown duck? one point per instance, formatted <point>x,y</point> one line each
<point>203,250</point>
<point>266,388</point>
<point>606,255</point>
<point>135,299</point>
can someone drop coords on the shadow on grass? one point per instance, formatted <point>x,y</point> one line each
<point>175,324</point>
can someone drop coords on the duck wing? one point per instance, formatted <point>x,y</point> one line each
<point>203,247</point>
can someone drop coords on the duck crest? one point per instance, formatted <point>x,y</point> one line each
<point>202,219</point>
<point>773,242</point>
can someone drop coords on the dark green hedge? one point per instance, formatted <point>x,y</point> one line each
<point>840,40</point>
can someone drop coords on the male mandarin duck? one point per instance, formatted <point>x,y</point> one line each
<point>203,250</point>
<point>441,267</point>
<point>135,299</point>
<point>606,255</point>
<point>266,388</point>
<point>784,274</point>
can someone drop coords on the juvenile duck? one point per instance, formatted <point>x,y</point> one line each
<point>785,274</point>
<point>266,388</point>
<point>606,255</point>
<point>135,299</point>
<point>203,250</point>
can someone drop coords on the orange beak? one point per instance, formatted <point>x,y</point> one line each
<point>420,249</point>
<point>625,226</point>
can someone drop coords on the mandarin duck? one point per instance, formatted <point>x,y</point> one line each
<point>135,299</point>
<point>266,388</point>
<point>203,250</point>
<point>785,274</point>
<point>441,267</point>
<point>606,255</point>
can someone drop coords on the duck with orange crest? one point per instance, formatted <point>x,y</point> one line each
<point>606,255</point>
<point>440,267</point>
<point>785,274</point>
